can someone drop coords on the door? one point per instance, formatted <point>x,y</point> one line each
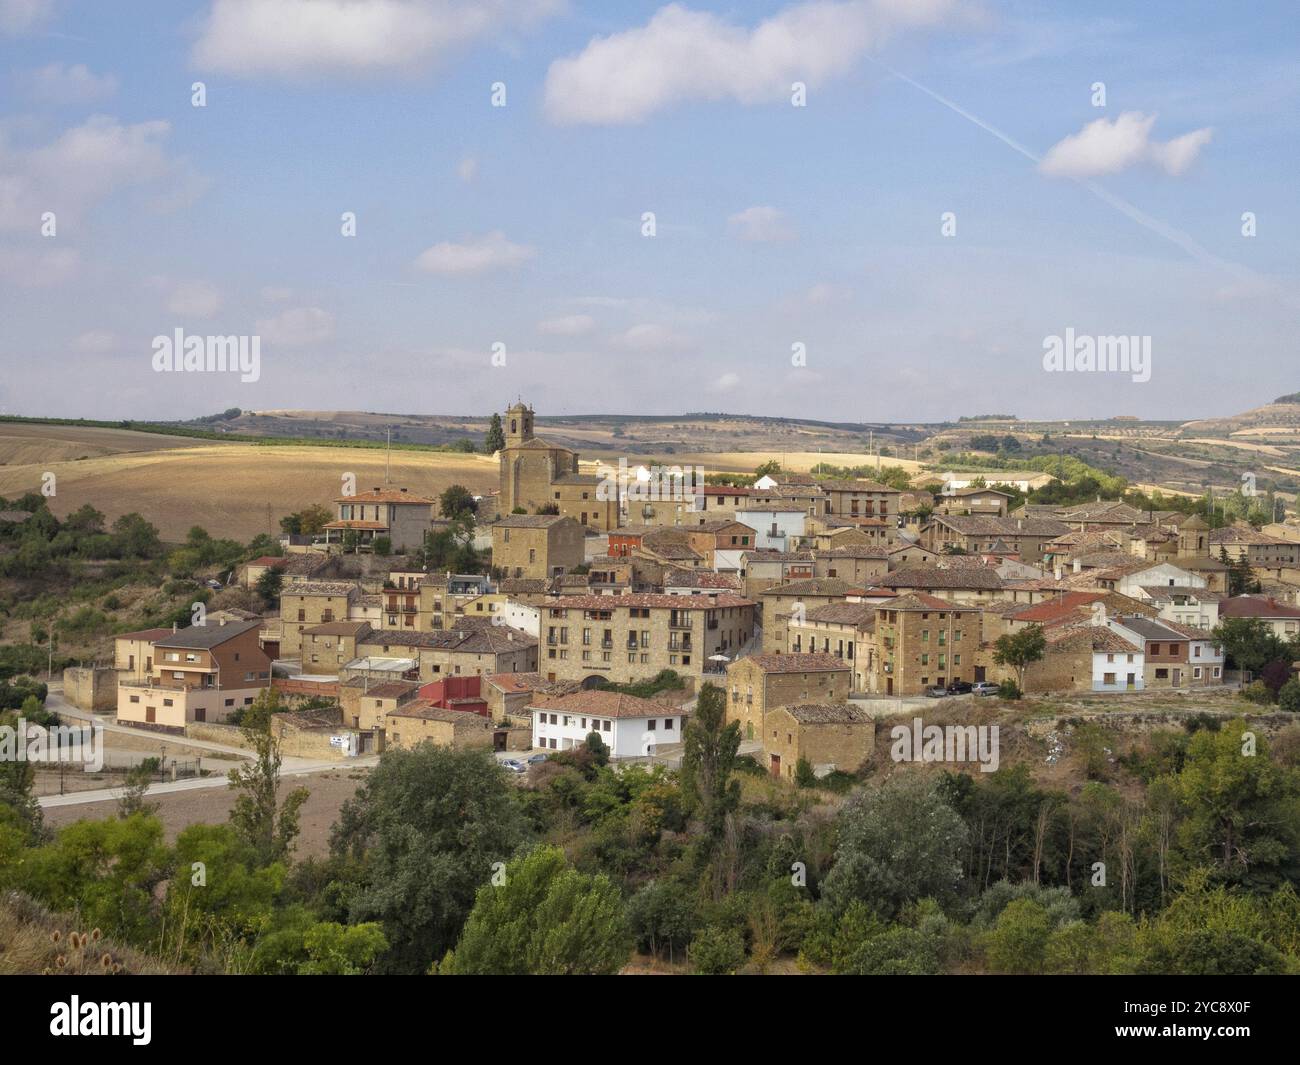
<point>776,765</point>
<point>150,714</point>
<point>889,685</point>
<point>200,714</point>
<point>1177,676</point>
<point>979,674</point>
<point>498,741</point>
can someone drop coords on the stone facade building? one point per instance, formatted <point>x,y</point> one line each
<point>759,684</point>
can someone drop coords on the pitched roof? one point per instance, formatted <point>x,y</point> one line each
<point>338,628</point>
<point>530,521</point>
<point>832,586</point>
<point>862,615</point>
<point>603,704</point>
<point>921,601</point>
<point>827,714</point>
<point>385,495</point>
<point>804,662</point>
<point>987,525</point>
<point>203,637</point>
<point>1256,606</point>
<point>976,577</point>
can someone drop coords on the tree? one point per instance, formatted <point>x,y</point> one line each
<point>266,825</point>
<point>717,951</point>
<point>268,585</point>
<point>457,503</point>
<point>423,834</point>
<point>545,918</point>
<point>306,522</point>
<point>1019,650</point>
<point>1240,809</point>
<point>897,843</point>
<point>1018,941</point>
<point>1288,696</point>
<point>708,759</point>
<point>1249,643</point>
<point>771,468</point>
<point>131,801</point>
<point>663,917</point>
<point>598,748</point>
<point>495,439</point>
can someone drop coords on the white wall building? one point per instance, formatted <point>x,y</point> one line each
<point>630,727</point>
<point>779,530</point>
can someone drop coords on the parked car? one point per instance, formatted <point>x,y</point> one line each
<point>985,687</point>
<point>512,766</point>
<point>936,692</point>
<point>959,687</point>
<point>537,759</point>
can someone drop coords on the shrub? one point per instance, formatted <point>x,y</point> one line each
<point>1288,696</point>
<point>1257,692</point>
<point>717,951</point>
<point>1008,689</point>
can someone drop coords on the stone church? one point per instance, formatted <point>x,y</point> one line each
<point>536,472</point>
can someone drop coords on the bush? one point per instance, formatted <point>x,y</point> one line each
<point>1288,696</point>
<point>1258,693</point>
<point>717,951</point>
<point>1008,689</point>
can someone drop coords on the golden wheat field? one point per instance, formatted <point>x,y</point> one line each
<point>233,490</point>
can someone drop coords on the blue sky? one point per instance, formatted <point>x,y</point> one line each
<point>521,225</point>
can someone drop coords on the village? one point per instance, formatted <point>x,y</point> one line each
<point>818,605</point>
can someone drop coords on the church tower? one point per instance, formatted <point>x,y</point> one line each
<point>519,424</point>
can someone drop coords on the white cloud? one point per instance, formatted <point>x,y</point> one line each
<point>194,299</point>
<point>682,55</point>
<point>23,16</point>
<point>727,382</point>
<point>571,325</point>
<point>475,255</point>
<point>1107,146</point>
<point>649,336</point>
<point>59,84</point>
<point>467,169</point>
<point>95,342</point>
<point>38,269</point>
<point>297,328</point>
<point>85,165</point>
<point>761,225</point>
<point>309,38</point>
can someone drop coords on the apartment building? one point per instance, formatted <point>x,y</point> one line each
<point>306,604</point>
<point>203,673</point>
<point>479,651</point>
<point>625,638</point>
<point>794,599</point>
<point>922,641</point>
<point>859,499</point>
<point>327,648</point>
<point>845,630</point>
<point>977,533</point>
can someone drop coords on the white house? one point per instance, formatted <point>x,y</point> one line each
<point>1164,575</point>
<point>521,616</point>
<point>630,727</point>
<point>779,530</point>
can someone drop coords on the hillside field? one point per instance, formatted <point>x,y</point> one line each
<point>227,488</point>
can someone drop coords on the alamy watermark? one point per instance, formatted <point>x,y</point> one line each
<point>946,743</point>
<point>58,744</point>
<point>179,353</point>
<point>1083,353</point>
<point>652,484</point>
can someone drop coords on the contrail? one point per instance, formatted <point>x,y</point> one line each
<point>1175,236</point>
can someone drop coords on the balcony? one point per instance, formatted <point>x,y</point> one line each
<point>681,624</point>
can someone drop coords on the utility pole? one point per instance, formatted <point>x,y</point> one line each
<point>388,457</point>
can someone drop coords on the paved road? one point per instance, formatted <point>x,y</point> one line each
<point>305,767</point>
<point>289,767</point>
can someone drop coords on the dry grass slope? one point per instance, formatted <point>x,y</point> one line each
<point>36,942</point>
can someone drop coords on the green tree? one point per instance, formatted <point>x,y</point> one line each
<point>268,585</point>
<point>1019,650</point>
<point>1018,941</point>
<point>457,503</point>
<point>898,842</point>
<point>1241,810</point>
<point>495,438</point>
<point>424,831</point>
<point>1249,643</point>
<point>709,758</point>
<point>1288,696</point>
<point>547,919</point>
<point>268,826</point>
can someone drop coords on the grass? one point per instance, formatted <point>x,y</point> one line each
<point>36,942</point>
